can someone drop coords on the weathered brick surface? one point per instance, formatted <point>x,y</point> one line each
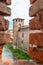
<point>4,38</point>
<point>40,14</point>
<point>0,50</point>
<point>36,7</point>
<point>36,54</point>
<point>36,38</point>
<point>8,2</point>
<point>32,1</point>
<point>4,10</point>
<point>35,24</point>
<point>7,38</point>
<point>4,24</point>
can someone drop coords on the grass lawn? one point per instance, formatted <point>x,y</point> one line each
<point>17,53</point>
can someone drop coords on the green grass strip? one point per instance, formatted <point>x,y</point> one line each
<point>18,53</point>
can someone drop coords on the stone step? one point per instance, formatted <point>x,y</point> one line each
<point>4,10</point>
<point>8,2</point>
<point>36,39</point>
<point>36,7</point>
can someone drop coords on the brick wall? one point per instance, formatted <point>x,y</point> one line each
<point>4,24</point>
<point>32,1</point>
<point>36,54</point>
<point>36,36</point>
<point>35,24</point>
<point>36,39</point>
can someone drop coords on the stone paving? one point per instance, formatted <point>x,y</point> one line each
<point>19,62</point>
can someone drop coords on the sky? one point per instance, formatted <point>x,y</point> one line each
<point>19,8</point>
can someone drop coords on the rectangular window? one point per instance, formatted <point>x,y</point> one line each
<point>22,34</point>
<point>22,41</point>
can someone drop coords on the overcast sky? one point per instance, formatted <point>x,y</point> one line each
<point>19,8</point>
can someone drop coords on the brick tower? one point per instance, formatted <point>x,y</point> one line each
<point>36,38</point>
<point>4,11</point>
<point>17,23</point>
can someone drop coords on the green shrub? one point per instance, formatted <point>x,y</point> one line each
<point>18,53</point>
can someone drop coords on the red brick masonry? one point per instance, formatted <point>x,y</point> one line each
<point>4,24</point>
<point>35,24</point>
<point>36,54</point>
<point>32,1</point>
<point>8,2</point>
<point>4,11</point>
<point>4,38</point>
<point>36,38</point>
<point>36,7</point>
